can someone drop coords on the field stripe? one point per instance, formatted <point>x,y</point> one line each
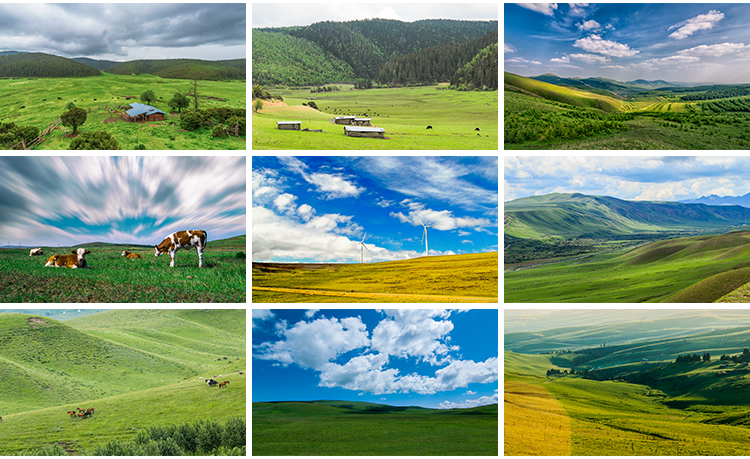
<point>535,423</point>
<point>451,298</point>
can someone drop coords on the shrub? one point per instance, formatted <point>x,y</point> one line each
<point>191,120</point>
<point>312,105</point>
<point>97,140</point>
<point>219,130</point>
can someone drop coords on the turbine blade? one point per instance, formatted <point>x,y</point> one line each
<point>363,237</point>
<point>420,221</point>
<point>365,246</point>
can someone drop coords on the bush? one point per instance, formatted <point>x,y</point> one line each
<point>97,140</point>
<point>191,120</point>
<point>312,104</point>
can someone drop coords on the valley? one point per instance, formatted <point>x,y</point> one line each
<point>139,369</point>
<point>609,384</point>
<point>549,112</point>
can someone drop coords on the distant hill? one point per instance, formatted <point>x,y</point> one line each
<point>576,215</point>
<point>715,200</point>
<point>366,45</point>
<point>612,87</point>
<point>43,66</point>
<point>234,69</point>
<point>95,63</point>
<point>564,94</point>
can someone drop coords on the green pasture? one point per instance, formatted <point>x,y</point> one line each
<point>450,275</point>
<point>102,95</point>
<point>359,429</point>
<point>610,418</point>
<point>697,269</point>
<point>113,278</point>
<point>404,113</point>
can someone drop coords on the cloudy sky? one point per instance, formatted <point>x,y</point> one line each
<point>677,42</point>
<point>429,358</point>
<point>46,201</point>
<point>318,209</point>
<point>650,178</point>
<point>300,14</point>
<point>126,31</point>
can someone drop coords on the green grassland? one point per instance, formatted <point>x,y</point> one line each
<point>450,277</point>
<point>366,429</point>
<point>541,116</point>
<point>404,113</point>
<point>612,418</point>
<point>695,269</point>
<point>112,278</point>
<point>102,95</point>
<point>146,376</point>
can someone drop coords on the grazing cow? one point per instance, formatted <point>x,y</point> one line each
<point>127,254</point>
<point>37,251</point>
<point>242,373</point>
<point>476,129</point>
<point>183,240</point>
<point>77,260</point>
<point>429,127</point>
<point>223,384</point>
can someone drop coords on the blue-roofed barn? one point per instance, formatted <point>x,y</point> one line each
<point>142,112</point>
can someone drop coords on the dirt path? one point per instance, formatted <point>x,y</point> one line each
<point>449,298</point>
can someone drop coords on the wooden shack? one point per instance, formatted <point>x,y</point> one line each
<point>289,125</point>
<point>343,119</point>
<point>142,112</point>
<point>361,122</point>
<point>363,131</point>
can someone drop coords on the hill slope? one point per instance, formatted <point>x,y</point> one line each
<point>232,69</point>
<point>566,95</point>
<point>43,66</point>
<point>574,215</point>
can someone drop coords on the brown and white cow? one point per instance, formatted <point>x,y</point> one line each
<point>183,240</point>
<point>37,251</point>
<point>130,255</point>
<point>77,260</point>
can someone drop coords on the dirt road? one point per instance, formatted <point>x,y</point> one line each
<point>411,297</point>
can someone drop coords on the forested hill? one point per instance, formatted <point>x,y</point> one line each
<point>234,69</point>
<point>434,64</point>
<point>364,45</point>
<point>481,72</point>
<point>42,65</point>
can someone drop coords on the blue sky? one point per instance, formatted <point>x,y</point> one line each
<point>649,178</point>
<point>46,201</point>
<point>677,42</point>
<point>430,358</point>
<point>318,209</point>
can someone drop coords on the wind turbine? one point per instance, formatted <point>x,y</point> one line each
<point>361,250</point>
<point>424,237</point>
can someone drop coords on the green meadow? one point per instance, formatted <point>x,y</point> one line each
<point>615,418</point>
<point>450,278</point>
<point>695,269</point>
<point>112,278</point>
<point>404,113</point>
<point>44,100</point>
<point>147,370</point>
<point>342,428</point>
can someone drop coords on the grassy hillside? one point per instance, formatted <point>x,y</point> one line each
<point>566,95</point>
<point>695,269</point>
<point>112,278</point>
<point>43,65</point>
<point>404,113</point>
<point>49,363</point>
<point>364,429</point>
<point>231,69</point>
<point>39,101</point>
<point>471,275</point>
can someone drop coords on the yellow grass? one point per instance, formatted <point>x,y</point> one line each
<point>535,423</point>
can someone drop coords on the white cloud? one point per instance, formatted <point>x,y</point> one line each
<point>562,60</point>
<point>577,8</point>
<point>261,315</point>
<point>547,9</point>
<point>332,186</point>
<point>595,44</point>
<point>589,58</point>
<point>701,22</point>
<point>310,313</point>
<point>413,333</point>
<point>484,400</point>
<point>589,25</point>
<point>470,392</point>
<point>285,203</point>
<point>442,220</point>
<point>519,60</point>
<point>716,50</point>
<point>508,48</point>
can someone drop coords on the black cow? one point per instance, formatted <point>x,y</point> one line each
<point>429,127</point>
<point>476,129</point>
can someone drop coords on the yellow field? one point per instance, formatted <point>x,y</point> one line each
<point>535,423</point>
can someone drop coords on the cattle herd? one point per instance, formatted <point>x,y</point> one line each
<point>170,245</point>
<point>81,413</point>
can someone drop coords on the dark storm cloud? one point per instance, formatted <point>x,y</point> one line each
<point>93,30</point>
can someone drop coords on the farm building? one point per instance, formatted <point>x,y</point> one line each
<point>362,131</point>
<point>343,119</point>
<point>361,122</point>
<point>142,112</point>
<point>289,125</point>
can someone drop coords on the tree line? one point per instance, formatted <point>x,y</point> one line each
<point>188,69</point>
<point>480,73</point>
<point>718,94</point>
<point>42,65</point>
<point>693,358</point>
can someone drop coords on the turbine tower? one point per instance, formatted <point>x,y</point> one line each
<point>361,249</point>
<point>424,237</point>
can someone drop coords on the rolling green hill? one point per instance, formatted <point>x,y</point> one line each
<point>576,215</point>
<point>566,95</point>
<point>43,65</point>
<point>137,368</point>
<point>232,69</point>
<point>357,428</point>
